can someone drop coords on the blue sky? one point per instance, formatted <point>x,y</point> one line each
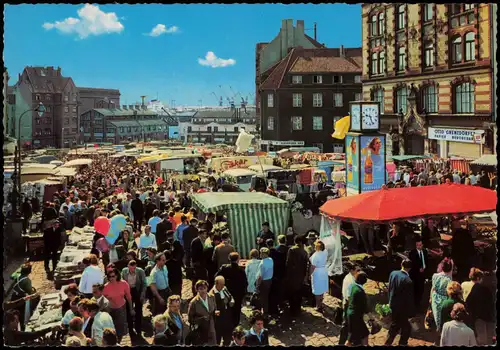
<point>156,49</point>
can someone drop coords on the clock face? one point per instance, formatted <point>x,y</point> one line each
<point>370,117</point>
<point>355,117</point>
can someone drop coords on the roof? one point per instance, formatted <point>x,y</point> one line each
<point>123,112</point>
<point>88,89</point>
<point>216,113</point>
<point>320,60</point>
<point>487,159</point>
<point>152,122</point>
<point>314,42</point>
<point>123,123</point>
<point>324,65</point>
<point>46,79</point>
<point>215,201</point>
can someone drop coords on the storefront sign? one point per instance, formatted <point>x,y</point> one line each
<point>282,143</point>
<point>372,167</point>
<point>352,163</point>
<point>456,135</point>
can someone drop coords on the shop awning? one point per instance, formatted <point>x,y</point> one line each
<point>78,162</point>
<point>487,159</point>
<point>212,202</point>
<point>409,157</point>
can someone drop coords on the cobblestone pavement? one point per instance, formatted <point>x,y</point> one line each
<point>311,328</point>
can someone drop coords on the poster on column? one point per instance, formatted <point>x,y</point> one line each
<point>372,162</point>
<point>352,164</point>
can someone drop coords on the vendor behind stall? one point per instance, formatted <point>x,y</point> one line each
<point>23,288</point>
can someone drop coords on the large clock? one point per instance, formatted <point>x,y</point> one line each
<point>370,118</point>
<point>355,117</point>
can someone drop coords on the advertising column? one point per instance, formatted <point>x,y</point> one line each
<point>352,164</point>
<point>372,162</point>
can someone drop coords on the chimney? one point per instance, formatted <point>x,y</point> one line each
<point>58,71</point>
<point>124,107</point>
<point>342,53</point>
<point>300,26</point>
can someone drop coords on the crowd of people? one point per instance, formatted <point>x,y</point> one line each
<point>166,241</point>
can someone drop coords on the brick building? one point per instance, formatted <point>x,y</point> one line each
<point>59,124</point>
<point>306,92</point>
<point>430,67</point>
<point>122,125</point>
<point>98,98</point>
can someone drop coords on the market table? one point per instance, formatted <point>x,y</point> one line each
<point>47,314</point>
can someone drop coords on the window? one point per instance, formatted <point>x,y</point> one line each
<point>122,129</point>
<point>37,97</point>
<point>48,109</point>
<point>37,121</point>
<point>297,79</point>
<point>317,123</point>
<point>338,99</point>
<point>401,99</point>
<point>381,61</point>
<point>335,120</point>
<point>74,97</point>
<point>400,24</point>
<point>73,130</point>
<point>74,109</point>
<point>270,100</point>
<point>374,63</point>
<point>66,98</point>
<point>429,95</point>
<point>381,24</point>
<point>317,79</point>
<point>66,109</point>
<point>374,26</point>
<point>297,100</point>
<point>358,96</point>
<point>236,129</point>
<point>464,98</point>
<point>428,12</point>
<point>378,96</point>
<point>318,100</point>
<point>456,50</point>
<point>48,97</point>
<point>66,121</point>
<point>270,123</point>
<point>470,47</point>
<point>357,78</point>
<point>469,7</point>
<point>401,58</point>
<point>296,123</point>
<point>429,55</point>
<point>337,79</point>
<point>216,129</point>
<point>190,129</point>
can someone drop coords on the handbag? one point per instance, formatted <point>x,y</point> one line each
<point>338,315</point>
<point>429,319</point>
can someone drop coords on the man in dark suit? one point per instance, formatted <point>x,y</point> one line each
<point>278,255</point>
<point>296,271</point>
<point>197,261</point>
<point>138,211</point>
<point>419,262</point>
<point>236,282</point>
<point>161,231</point>
<point>210,264</point>
<point>400,301</point>
<point>188,235</point>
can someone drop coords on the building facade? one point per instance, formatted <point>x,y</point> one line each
<point>430,68</point>
<point>306,93</point>
<point>218,125</point>
<point>98,98</point>
<point>5,120</point>
<point>58,126</point>
<point>122,125</point>
<point>268,55</point>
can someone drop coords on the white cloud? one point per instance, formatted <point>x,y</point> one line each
<point>213,61</point>
<point>160,29</point>
<point>91,21</point>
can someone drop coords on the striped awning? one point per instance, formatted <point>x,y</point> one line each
<point>246,211</point>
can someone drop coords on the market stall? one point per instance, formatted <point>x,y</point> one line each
<point>75,163</point>
<point>487,162</point>
<point>245,214</point>
<point>391,205</point>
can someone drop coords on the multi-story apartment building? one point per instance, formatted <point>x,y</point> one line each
<point>218,125</point>
<point>430,68</point>
<point>58,126</point>
<point>306,93</point>
<point>268,55</point>
<point>122,125</point>
<point>98,98</point>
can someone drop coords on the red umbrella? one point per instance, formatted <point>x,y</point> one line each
<point>412,203</point>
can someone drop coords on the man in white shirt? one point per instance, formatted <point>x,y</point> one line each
<point>347,283</point>
<point>91,275</point>
<point>147,240</point>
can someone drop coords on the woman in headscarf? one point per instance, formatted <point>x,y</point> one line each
<point>201,314</point>
<point>439,293</point>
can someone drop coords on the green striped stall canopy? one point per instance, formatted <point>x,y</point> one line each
<point>246,211</point>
